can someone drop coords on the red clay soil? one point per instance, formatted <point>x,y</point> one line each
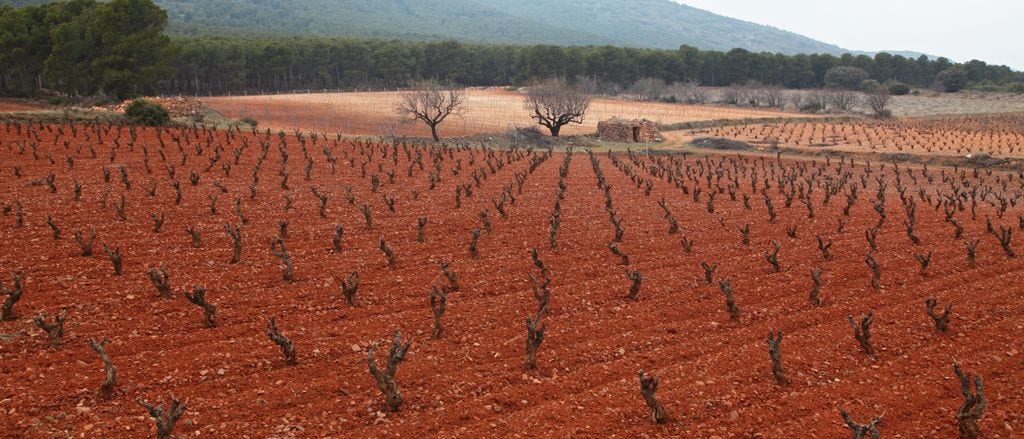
<point>715,373</point>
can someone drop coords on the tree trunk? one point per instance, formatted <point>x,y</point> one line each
<point>555,129</point>
<point>433,132</point>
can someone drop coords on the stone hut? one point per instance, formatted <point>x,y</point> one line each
<point>628,130</point>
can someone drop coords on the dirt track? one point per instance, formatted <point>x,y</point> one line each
<point>714,372</point>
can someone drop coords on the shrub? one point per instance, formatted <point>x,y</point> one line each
<point>898,88</point>
<point>249,120</point>
<point>147,113</point>
<point>869,85</point>
<point>845,77</point>
<point>951,80</point>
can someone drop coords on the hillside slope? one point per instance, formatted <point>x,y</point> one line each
<point>662,24</point>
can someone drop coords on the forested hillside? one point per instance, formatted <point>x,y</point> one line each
<point>635,23</point>
<point>118,48</point>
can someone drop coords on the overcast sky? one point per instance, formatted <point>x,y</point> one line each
<point>989,30</point>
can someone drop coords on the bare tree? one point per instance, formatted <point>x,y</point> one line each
<point>844,100</point>
<point>554,104</point>
<point>817,101</point>
<point>693,93</point>
<point>732,95</point>
<point>774,96</point>
<point>752,93</point>
<point>648,89</point>
<point>878,100</point>
<point>430,102</point>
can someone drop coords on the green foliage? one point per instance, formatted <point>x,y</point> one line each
<point>84,47</point>
<point>224,65</point>
<point>869,85</point>
<point>897,88</point>
<point>147,113</point>
<point>845,77</point>
<point>636,23</point>
<point>951,80</point>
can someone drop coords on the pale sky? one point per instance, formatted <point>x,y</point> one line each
<point>988,30</point>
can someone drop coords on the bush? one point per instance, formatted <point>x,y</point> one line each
<point>722,144</point>
<point>869,86</point>
<point>1017,87</point>
<point>57,101</point>
<point>147,113</point>
<point>951,80</point>
<point>529,136</point>
<point>898,88</point>
<point>987,86</point>
<point>249,120</point>
<point>983,160</point>
<point>845,77</point>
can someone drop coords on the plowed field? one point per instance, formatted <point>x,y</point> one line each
<point>715,372</point>
<point>485,111</point>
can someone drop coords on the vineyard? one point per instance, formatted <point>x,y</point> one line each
<point>485,111</point>
<point>261,284</point>
<point>998,135</point>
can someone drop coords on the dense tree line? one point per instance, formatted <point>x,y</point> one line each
<point>84,48</point>
<point>234,65</point>
<point>118,48</point>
